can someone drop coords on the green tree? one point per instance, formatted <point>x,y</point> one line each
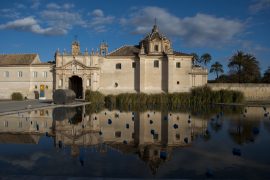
<point>205,58</point>
<point>236,64</point>
<point>251,70</point>
<point>217,68</point>
<point>266,76</point>
<point>195,58</point>
<point>245,67</point>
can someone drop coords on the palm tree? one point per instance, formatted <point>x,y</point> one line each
<point>216,67</point>
<point>245,66</point>
<point>237,63</point>
<point>195,58</point>
<point>205,58</point>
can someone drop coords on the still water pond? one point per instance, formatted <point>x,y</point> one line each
<point>75,142</point>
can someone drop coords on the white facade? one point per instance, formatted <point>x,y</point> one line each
<point>150,67</point>
<point>26,74</point>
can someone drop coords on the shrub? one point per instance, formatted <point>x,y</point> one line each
<point>94,97</point>
<point>110,100</point>
<point>238,97</point>
<point>198,98</point>
<point>17,96</point>
<point>201,95</point>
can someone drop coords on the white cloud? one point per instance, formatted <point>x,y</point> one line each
<point>68,6</point>
<point>9,13</point>
<point>99,21</point>
<point>31,25</point>
<point>62,19</point>
<point>199,30</point>
<point>53,6</point>
<point>259,5</point>
<point>65,6</point>
<point>57,19</point>
<point>97,13</point>
<point>26,162</point>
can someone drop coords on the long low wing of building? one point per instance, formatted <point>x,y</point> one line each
<point>25,73</point>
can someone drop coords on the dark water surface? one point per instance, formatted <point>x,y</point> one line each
<point>74,142</point>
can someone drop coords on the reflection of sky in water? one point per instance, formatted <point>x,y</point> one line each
<point>72,144</point>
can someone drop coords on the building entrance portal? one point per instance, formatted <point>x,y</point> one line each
<point>75,84</point>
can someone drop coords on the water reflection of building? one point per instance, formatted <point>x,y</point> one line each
<point>72,127</point>
<point>26,127</point>
<point>150,127</point>
<point>151,134</point>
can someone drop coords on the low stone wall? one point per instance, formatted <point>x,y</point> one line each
<point>252,91</point>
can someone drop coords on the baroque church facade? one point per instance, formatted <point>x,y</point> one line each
<point>152,66</point>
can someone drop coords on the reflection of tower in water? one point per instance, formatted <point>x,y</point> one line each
<point>151,134</point>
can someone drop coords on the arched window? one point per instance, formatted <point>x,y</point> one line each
<point>118,66</point>
<point>156,48</point>
<point>166,48</point>
<point>156,64</point>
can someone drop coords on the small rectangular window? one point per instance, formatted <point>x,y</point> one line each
<point>156,63</point>
<point>6,74</point>
<point>118,66</point>
<point>117,134</point>
<point>45,74</point>
<point>177,137</point>
<point>20,124</point>
<point>35,74</point>
<point>155,136</point>
<point>60,83</point>
<point>20,74</point>
<point>6,123</point>
<point>178,65</point>
<point>134,65</point>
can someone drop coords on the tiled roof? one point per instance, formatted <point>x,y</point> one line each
<point>125,51</point>
<point>180,54</point>
<point>14,59</point>
<point>134,50</point>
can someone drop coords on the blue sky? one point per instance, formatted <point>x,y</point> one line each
<point>219,27</point>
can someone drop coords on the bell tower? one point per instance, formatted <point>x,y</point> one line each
<point>103,49</point>
<point>75,47</point>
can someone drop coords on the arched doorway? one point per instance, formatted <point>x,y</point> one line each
<point>75,83</point>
